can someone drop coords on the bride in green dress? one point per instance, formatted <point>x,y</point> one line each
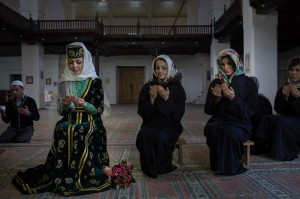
<point>78,162</point>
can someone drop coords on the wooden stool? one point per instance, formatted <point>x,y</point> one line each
<point>178,145</point>
<point>246,156</point>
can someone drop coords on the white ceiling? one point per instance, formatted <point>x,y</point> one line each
<point>130,8</point>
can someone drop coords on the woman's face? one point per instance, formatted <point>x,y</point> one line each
<point>226,66</point>
<point>294,73</point>
<point>161,69</point>
<point>76,65</point>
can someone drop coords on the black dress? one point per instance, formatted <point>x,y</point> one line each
<point>74,165</point>
<point>230,125</point>
<point>264,108</point>
<point>281,133</point>
<point>160,129</point>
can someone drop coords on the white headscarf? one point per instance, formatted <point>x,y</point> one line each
<point>88,70</point>
<point>171,67</point>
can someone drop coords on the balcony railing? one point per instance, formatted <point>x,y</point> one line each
<point>13,20</point>
<point>88,26</point>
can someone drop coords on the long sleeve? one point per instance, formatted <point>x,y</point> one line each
<point>210,106</point>
<point>162,112</point>
<point>243,105</point>
<point>290,107</point>
<point>32,107</point>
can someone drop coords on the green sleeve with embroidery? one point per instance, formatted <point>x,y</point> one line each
<point>77,90</point>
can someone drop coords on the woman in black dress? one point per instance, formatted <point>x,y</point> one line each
<point>231,100</point>
<point>279,135</point>
<point>161,105</point>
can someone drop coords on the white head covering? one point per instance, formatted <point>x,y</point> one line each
<point>17,83</point>
<point>171,67</point>
<point>88,70</point>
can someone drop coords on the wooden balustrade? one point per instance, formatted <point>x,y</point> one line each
<point>92,27</point>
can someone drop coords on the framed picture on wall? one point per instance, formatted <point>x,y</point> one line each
<point>48,81</point>
<point>29,79</point>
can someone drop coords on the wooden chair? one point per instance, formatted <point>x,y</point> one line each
<point>246,156</point>
<point>178,145</point>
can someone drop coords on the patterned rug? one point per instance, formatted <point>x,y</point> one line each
<point>265,178</point>
<point>122,126</point>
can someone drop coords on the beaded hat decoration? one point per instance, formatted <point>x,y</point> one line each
<point>75,51</point>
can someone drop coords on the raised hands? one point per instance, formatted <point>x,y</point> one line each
<point>158,90</point>
<point>217,90</point>
<point>294,91</point>
<point>164,93</point>
<point>67,100</point>
<point>286,91</point>
<point>228,92</point>
<point>222,89</point>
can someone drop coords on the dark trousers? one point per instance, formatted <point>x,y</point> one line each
<point>14,135</point>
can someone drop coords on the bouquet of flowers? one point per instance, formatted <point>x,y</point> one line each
<point>121,176</point>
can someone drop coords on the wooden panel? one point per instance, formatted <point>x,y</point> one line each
<point>130,82</point>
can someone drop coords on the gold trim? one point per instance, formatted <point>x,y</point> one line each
<point>85,153</point>
<point>87,88</point>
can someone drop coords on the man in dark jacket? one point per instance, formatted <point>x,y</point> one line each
<point>20,111</point>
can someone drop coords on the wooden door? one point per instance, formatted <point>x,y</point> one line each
<point>130,82</point>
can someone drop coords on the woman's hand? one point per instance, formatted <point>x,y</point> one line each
<point>228,92</point>
<point>216,91</point>
<point>153,93</point>
<point>66,100</point>
<point>294,91</point>
<point>78,101</point>
<point>163,93</point>
<point>286,92</point>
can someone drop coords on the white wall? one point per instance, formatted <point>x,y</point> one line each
<point>51,63</point>
<point>108,68</point>
<point>191,67</point>
<point>9,66</point>
<point>285,57</point>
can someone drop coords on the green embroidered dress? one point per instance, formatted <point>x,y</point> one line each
<point>74,165</point>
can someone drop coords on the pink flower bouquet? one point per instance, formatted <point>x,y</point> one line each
<point>121,176</point>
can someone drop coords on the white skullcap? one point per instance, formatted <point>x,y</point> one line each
<point>17,83</point>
